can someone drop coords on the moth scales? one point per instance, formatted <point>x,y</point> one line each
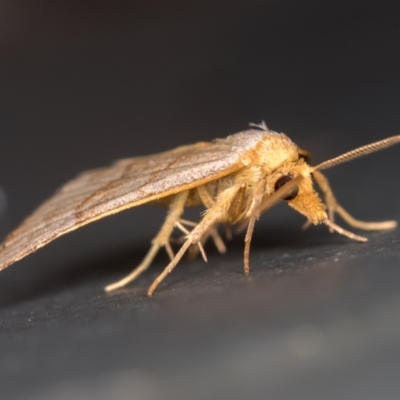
<point>236,179</point>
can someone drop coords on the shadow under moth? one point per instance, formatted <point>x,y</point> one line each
<point>236,179</point>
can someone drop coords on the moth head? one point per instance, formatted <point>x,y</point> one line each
<point>300,196</point>
<point>292,181</point>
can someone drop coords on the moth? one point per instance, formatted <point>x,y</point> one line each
<point>236,179</point>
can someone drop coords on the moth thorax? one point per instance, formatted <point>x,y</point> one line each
<point>276,149</point>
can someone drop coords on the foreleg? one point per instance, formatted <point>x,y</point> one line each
<point>333,206</point>
<point>162,239</point>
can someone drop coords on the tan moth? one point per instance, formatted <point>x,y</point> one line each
<point>236,179</point>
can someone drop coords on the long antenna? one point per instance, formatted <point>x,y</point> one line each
<point>361,151</point>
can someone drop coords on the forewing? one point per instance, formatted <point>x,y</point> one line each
<point>127,183</point>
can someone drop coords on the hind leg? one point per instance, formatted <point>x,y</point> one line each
<point>162,239</point>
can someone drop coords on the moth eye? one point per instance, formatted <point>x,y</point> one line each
<point>283,180</point>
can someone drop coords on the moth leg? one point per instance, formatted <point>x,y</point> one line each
<point>217,239</point>
<point>253,214</point>
<point>218,212</point>
<point>194,249</point>
<point>344,232</point>
<point>228,232</point>
<point>333,206</point>
<point>208,202</point>
<point>199,245</point>
<point>241,227</point>
<point>162,238</point>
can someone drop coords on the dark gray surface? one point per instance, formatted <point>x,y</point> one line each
<point>88,82</point>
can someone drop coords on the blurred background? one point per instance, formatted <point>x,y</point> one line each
<point>83,83</point>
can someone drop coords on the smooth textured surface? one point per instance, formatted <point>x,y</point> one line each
<point>84,84</point>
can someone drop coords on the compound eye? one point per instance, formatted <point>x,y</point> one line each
<point>283,180</point>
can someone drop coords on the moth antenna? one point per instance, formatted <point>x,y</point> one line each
<point>361,151</point>
<point>262,126</point>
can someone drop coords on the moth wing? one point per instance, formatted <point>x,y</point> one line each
<point>127,183</point>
